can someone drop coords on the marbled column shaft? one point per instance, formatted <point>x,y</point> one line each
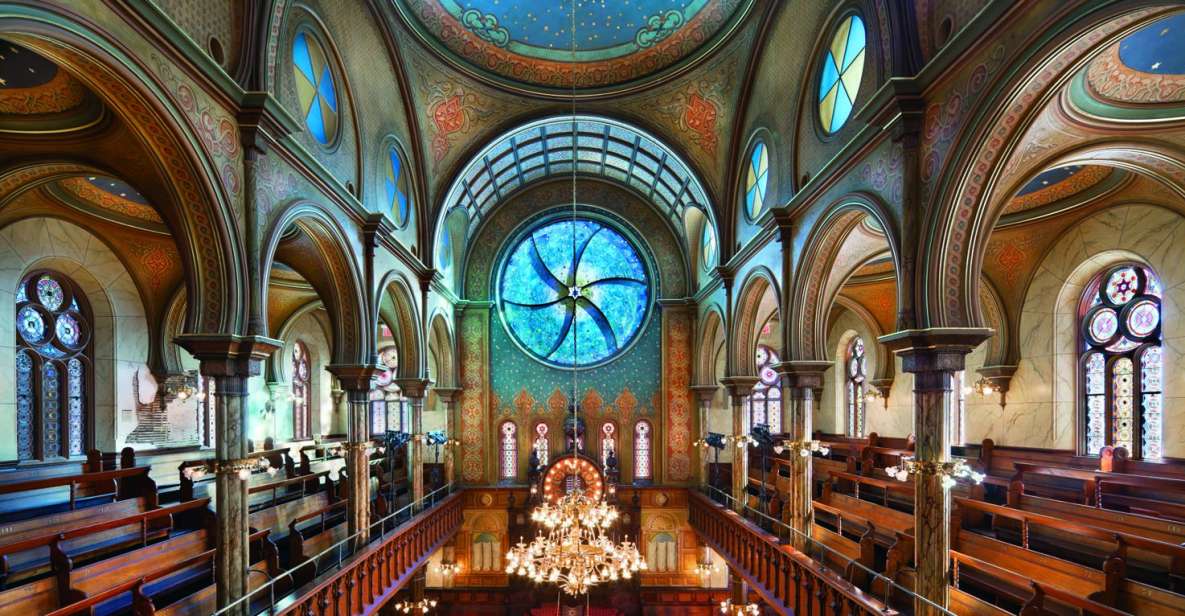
<point>416,472</point>
<point>802,514</point>
<point>357,464</point>
<point>705,408</point>
<point>931,500</point>
<point>740,455</point>
<point>232,559</point>
<point>450,407</point>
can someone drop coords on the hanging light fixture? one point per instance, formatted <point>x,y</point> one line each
<point>573,548</point>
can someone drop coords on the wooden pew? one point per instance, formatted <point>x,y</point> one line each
<point>307,541</point>
<point>277,519</point>
<point>891,491</point>
<point>1040,601</point>
<point>1160,529</point>
<point>205,601</point>
<point>1108,582</point>
<point>72,491</point>
<point>28,554</point>
<point>887,521</point>
<point>852,557</point>
<point>1156,496</point>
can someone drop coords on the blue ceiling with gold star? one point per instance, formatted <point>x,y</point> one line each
<point>554,42</point>
<point>21,68</point>
<point>1156,48</point>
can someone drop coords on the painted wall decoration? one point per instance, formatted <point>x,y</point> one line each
<point>1145,67</point>
<point>531,43</point>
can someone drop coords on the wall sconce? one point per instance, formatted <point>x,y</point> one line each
<point>726,607</point>
<point>950,471</point>
<point>802,448</point>
<point>742,440</point>
<point>448,569</point>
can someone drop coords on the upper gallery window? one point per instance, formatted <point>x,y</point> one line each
<point>53,367</point>
<point>756,180</point>
<point>843,68</point>
<point>765,401</point>
<point>1121,362</point>
<point>574,293</point>
<point>315,88</point>
<point>707,244</point>
<point>396,185</point>
<point>302,392</point>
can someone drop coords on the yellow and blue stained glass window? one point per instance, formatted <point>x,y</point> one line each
<point>756,180</point>
<point>315,88</point>
<point>395,184</point>
<point>574,293</point>
<point>843,68</point>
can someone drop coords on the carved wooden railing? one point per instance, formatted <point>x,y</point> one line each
<point>788,581</point>
<point>371,577</point>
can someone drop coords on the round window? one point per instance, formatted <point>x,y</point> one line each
<point>316,90</point>
<point>842,70</point>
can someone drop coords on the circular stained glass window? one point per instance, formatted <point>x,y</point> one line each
<point>708,245</point>
<point>69,331</point>
<point>1122,285</point>
<point>31,323</point>
<point>1103,325</point>
<point>756,180</point>
<point>50,293</point>
<point>1143,317</point>
<point>842,71</point>
<point>315,88</point>
<point>395,183</point>
<point>574,293</point>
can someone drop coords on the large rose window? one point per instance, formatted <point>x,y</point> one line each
<point>574,293</point>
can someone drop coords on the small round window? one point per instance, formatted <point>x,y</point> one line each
<point>316,90</point>
<point>574,293</point>
<point>395,184</point>
<point>842,71</point>
<point>756,180</point>
<point>708,245</point>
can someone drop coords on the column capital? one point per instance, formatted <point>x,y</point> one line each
<point>354,377</point>
<point>739,386</point>
<point>228,354</point>
<point>802,373</point>
<point>414,388</point>
<point>935,349</point>
<point>704,393</point>
<point>447,394</point>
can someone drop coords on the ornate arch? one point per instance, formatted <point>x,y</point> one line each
<point>966,193</point>
<point>341,289</point>
<point>807,321</point>
<point>397,307</point>
<point>441,342</point>
<point>745,328</point>
<point>202,214</point>
<point>711,336</point>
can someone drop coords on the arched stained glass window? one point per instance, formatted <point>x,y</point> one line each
<point>508,451</point>
<point>855,381</point>
<point>387,405</point>
<point>53,367</point>
<point>643,462</point>
<point>756,180</point>
<point>843,68</point>
<point>540,444</point>
<point>395,184</point>
<point>302,395</point>
<point>1121,362</point>
<point>765,401</point>
<point>571,287</point>
<point>608,443</point>
<point>316,90</point>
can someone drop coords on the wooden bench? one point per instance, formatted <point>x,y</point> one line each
<point>307,541</point>
<point>205,601</point>
<point>277,519</point>
<point>39,496</point>
<point>1157,496</point>
<point>28,554</point>
<point>1158,528</point>
<point>1036,598</point>
<point>855,558</point>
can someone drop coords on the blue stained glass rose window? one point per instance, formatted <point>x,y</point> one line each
<point>574,293</point>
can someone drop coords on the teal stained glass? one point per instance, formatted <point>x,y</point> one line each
<point>395,183</point>
<point>843,69</point>
<point>574,293</point>
<point>756,180</point>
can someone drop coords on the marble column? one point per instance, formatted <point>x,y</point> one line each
<point>933,356</point>
<point>355,380</point>
<point>738,388</point>
<point>800,379</point>
<point>448,397</point>
<point>704,395</point>
<point>230,360</point>
<point>415,391</point>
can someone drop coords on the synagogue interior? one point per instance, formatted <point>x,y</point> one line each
<point>592,307</point>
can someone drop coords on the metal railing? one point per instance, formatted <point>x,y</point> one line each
<point>341,550</point>
<point>892,592</point>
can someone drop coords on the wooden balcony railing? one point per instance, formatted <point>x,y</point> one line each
<point>788,581</point>
<point>371,577</point>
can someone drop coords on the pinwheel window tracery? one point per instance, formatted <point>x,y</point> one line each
<point>53,367</point>
<point>1121,362</point>
<point>574,293</point>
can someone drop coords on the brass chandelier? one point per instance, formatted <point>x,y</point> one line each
<point>575,552</point>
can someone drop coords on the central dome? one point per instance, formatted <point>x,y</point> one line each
<point>530,42</point>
